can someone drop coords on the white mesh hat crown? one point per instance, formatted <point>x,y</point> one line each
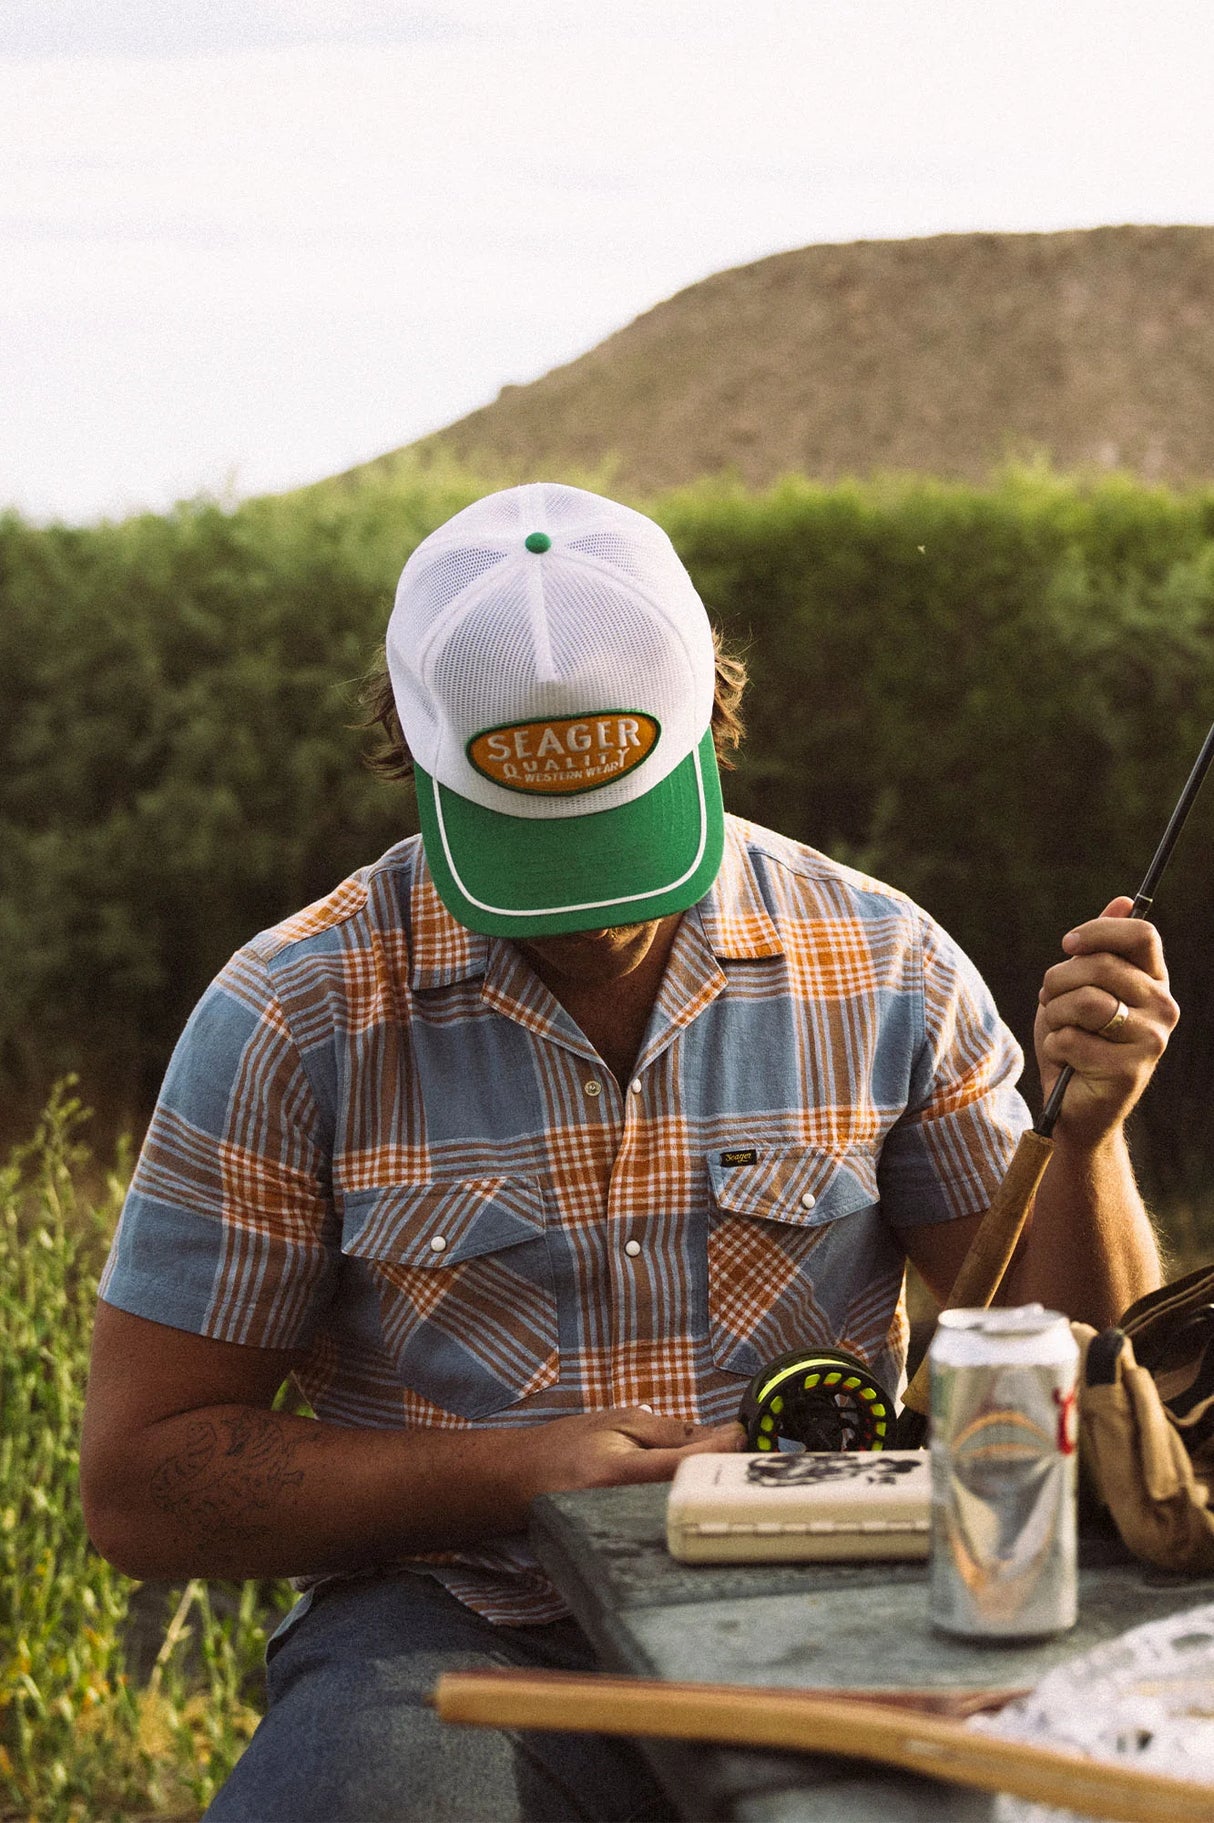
<point>553,670</point>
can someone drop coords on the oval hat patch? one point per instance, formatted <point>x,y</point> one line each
<point>564,754</point>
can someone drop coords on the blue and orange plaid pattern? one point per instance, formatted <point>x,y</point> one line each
<point>381,1140</point>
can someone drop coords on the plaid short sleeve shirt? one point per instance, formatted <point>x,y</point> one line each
<point>382,1141</point>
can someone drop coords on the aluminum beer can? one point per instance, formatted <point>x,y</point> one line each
<point>1003,1448</point>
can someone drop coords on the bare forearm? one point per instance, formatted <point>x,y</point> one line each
<point>235,1491</point>
<point>239,1491</point>
<point>1089,1249</point>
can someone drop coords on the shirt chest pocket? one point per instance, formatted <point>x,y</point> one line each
<point>780,1256</point>
<point>463,1278</point>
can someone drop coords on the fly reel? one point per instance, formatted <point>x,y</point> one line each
<point>816,1399</point>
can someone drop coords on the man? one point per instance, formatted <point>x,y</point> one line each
<point>528,1146</point>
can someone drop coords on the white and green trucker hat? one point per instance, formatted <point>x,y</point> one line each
<point>553,670</point>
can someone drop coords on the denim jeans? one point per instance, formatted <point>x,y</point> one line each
<point>348,1737</point>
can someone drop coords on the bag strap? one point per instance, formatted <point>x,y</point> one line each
<point>1194,1289</point>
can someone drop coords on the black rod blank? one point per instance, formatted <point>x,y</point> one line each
<point>1143,900</point>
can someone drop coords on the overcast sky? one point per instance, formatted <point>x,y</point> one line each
<point>247,243</point>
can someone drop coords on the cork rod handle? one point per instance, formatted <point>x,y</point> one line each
<point>990,1254</point>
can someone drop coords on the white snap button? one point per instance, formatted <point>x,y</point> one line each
<point>644,1408</point>
<point>635,1085</point>
<point>438,1243</point>
<point>593,1087</point>
<point>808,1200</point>
<point>632,1248</point>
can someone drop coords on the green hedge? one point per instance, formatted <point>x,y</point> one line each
<point>176,697</point>
<point>989,697</point>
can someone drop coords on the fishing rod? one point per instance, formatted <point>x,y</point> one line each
<point>981,1272</point>
<point>821,1398</point>
<point>1144,898</point>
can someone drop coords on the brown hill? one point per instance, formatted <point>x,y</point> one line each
<point>946,355</point>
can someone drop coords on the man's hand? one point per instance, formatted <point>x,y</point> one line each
<point>1110,959</point>
<point>1088,1248</point>
<point>606,1449</point>
<point>186,1471</point>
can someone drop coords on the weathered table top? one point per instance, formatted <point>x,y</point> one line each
<point>859,1625</point>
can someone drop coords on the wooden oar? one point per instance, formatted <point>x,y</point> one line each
<point>992,1248</point>
<point>751,1717</point>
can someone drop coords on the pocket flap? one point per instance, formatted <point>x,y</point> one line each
<point>798,1184</point>
<point>439,1224</point>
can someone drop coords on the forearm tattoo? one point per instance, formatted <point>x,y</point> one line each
<point>232,1477</point>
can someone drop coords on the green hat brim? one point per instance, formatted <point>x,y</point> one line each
<point>542,876</point>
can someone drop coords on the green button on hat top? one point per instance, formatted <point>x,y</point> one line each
<point>538,541</point>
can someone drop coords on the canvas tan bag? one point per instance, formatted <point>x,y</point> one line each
<point>1147,1422</point>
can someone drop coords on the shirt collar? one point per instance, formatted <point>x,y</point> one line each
<point>441,951</point>
<point>736,923</point>
<point>733,914</point>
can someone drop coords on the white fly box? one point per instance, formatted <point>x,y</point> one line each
<point>813,1505</point>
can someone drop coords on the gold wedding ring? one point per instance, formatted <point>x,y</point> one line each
<point>1112,1026</point>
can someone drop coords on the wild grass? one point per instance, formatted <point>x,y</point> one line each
<point>81,1740</point>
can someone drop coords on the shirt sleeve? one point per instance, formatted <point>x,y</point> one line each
<point>948,1153</point>
<point>228,1229</point>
